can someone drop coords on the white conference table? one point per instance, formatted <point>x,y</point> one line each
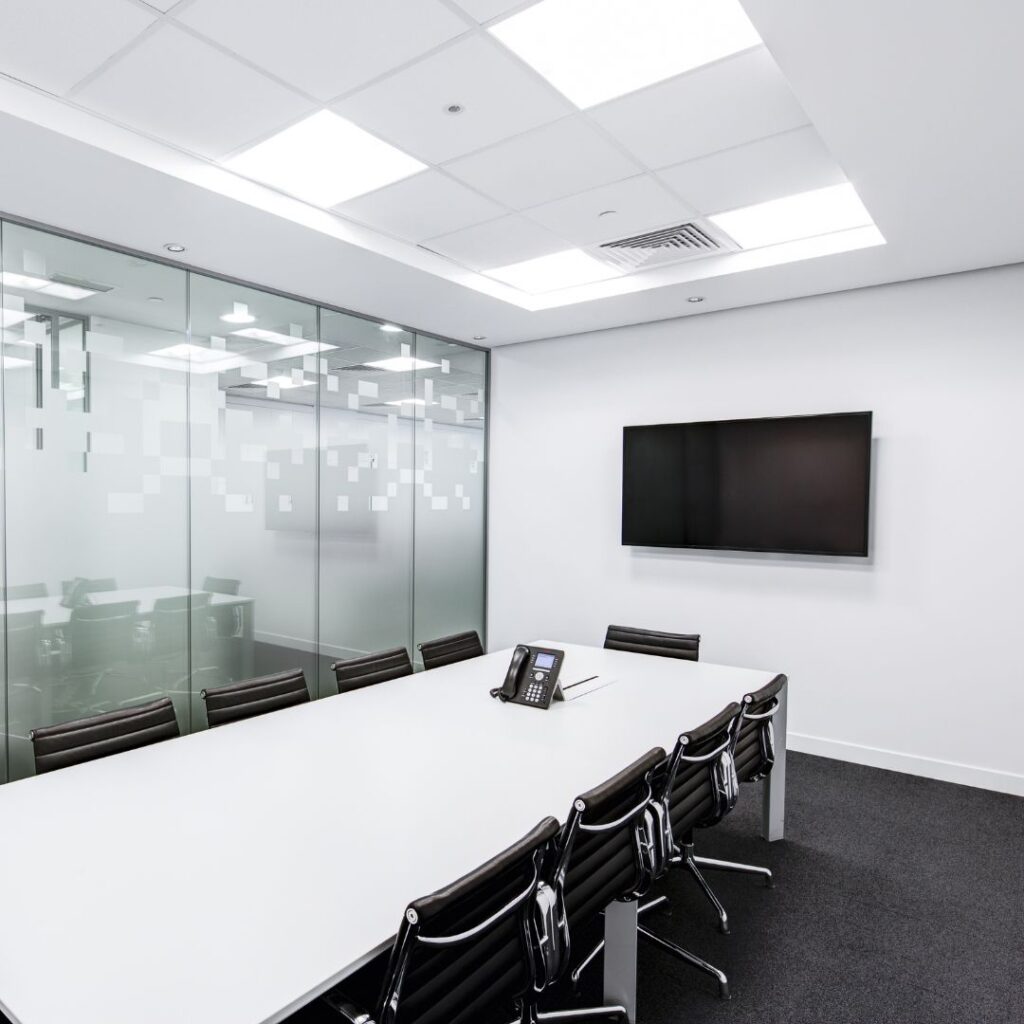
<point>231,876</point>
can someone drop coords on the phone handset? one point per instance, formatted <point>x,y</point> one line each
<point>513,678</point>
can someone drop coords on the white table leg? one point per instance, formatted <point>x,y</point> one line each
<point>773,823</point>
<point>620,957</point>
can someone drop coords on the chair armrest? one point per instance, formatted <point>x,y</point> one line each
<point>348,1011</point>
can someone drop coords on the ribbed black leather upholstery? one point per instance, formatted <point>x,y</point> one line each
<point>685,646</point>
<point>692,801</point>
<point>255,696</point>
<point>373,668</point>
<point>463,983</point>
<point>749,750</point>
<point>449,649</point>
<point>604,866</point>
<point>58,746</point>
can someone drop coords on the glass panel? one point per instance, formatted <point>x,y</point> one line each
<point>95,459</point>
<point>366,490</point>
<point>450,449</point>
<point>254,368</point>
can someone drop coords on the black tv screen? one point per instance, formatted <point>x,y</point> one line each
<point>798,484</point>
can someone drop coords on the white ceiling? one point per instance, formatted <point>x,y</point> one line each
<point>117,112</point>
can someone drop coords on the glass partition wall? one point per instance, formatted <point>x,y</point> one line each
<point>205,482</point>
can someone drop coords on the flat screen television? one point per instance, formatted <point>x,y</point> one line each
<point>797,484</point>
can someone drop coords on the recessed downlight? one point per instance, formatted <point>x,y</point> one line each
<point>479,337</point>
<point>239,315</point>
<point>454,108</point>
<point>175,247</point>
<point>695,298</point>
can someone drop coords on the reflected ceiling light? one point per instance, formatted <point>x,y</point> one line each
<point>695,298</point>
<point>67,291</point>
<point>26,282</point>
<point>194,353</point>
<point>175,247</point>
<point>14,362</point>
<point>46,286</point>
<point>391,328</point>
<point>325,160</point>
<point>239,315</point>
<point>275,337</point>
<point>549,273</point>
<point>407,401</point>
<point>402,364</point>
<point>595,50</point>
<point>822,211</point>
<point>283,382</point>
<point>10,317</point>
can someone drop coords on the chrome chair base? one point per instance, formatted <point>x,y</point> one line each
<point>745,869</point>
<point>687,957</point>
<point>608,1014</point>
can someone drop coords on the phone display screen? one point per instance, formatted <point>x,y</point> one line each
<point>544,660</point>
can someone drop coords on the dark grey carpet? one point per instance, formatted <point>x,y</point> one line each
<point>897,899</point>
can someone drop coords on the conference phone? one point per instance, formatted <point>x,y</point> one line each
<point>532,677</point>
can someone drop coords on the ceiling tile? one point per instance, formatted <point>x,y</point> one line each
<point>781,165</point>
<point>184,91</point>
<point>547,163</point>
<point>486,10</point>
<point>639,204</point>
<point>500,98</point>
<point>54,43</point>
<point>497,243</point>
<point>737,100</point>
<point>422,206</point>
<point>322,46</point>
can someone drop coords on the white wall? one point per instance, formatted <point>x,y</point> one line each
<point>911,659</point>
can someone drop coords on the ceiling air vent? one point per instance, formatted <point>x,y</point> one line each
<point>666,245</point>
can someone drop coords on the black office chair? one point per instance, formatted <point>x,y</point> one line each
<point>607,851</point>
<point>222,585</point>
<point>23,590</point>
<point>86,739</point>
<point>685,646</point>
<point>253,697</point>
<point>355,673</point>
<point>466,951</point>
<point>753,754</point>
<point>449,649</point>
<point>697,789</point>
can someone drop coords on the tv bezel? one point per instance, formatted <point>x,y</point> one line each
<point>863,553</point>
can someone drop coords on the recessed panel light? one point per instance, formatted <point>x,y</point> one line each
<point>10,317</point>
<point>26,282</point>
<point>822,211</point>
<point>239,315</point>
<point>407,401</point>
<point>194,353</point>
<point>595,50</point>
<point>550,273</point>
<point>283,382</point>
<point>325,160</point>
<point>402,364</point>
<point>391,328</point>
<point>66,291</point>
<point>274,337</point>
<point>15,362</point>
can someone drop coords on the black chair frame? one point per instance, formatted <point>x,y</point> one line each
<point>447,650</point>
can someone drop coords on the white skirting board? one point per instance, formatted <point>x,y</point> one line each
<point>910,764</point>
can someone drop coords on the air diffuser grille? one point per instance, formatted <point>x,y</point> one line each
<point>666,245</point>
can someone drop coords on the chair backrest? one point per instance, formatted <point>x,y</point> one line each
<point>255,696</point>
<point>221,585</point>
<point>754,747</point>
<point>605,847</point>
<point>700,786</point>
<point>650,641</point>
<point>101,634</point>
<point>23,590</point>
<point>449,649</point>
<point>86,739</point>
<point>468,948</point>
<point>171,617</point>
<point>356,673</point>
<point>24,631</point>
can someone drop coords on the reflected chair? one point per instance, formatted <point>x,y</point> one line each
<point>179,636</point>
<point>22,591</point>
<point>104,585</point>
<point>355,673</point>
<point>99,646</point>
<point>685,646</point>
<point>253,697</point>
<point>222,585</point>
<point>27,655</point>
<point>606,852</point>
<point>467,951</point>
<point>86,739</point>
<point>449,649</point>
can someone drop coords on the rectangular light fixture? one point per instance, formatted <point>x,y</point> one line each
<point>274,337</point>
<point>15,362</point>
<point>193,353</point>
<point>595,50</point>
<point>822,211</point>
<point>25,282</point>
<point>402,364</point>
<point>407,401</point>
<point>66,291</point>
<point>550,273</point>
<point>10,317</point>
<point>43,285</point>
<point>283,382</point>
<point>325,160</point>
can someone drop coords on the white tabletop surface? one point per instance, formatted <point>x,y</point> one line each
<point>229,875</point>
